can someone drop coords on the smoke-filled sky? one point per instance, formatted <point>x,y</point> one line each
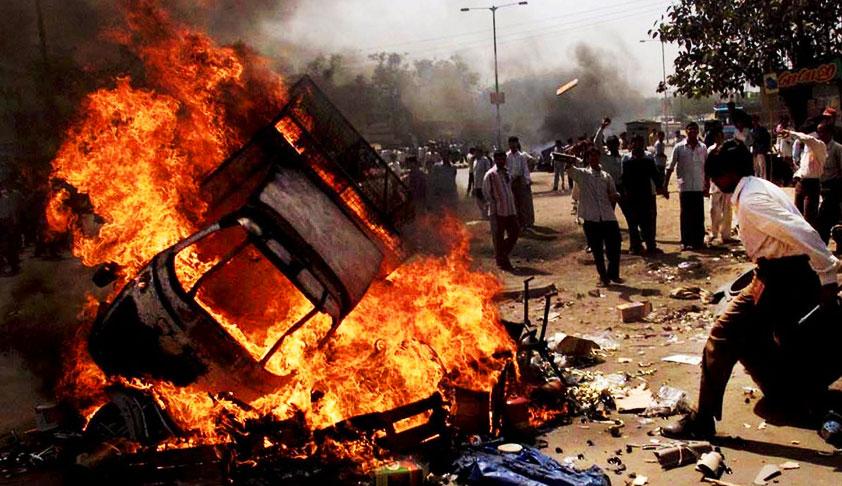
<point>534,38</point>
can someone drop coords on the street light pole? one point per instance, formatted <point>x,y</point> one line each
<point>497,100</point>
<point>664,68</point>
<point>497,79</point>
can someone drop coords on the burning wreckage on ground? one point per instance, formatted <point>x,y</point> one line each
<point>303,222</point>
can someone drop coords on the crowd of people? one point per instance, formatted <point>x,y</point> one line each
<point>607,171</point>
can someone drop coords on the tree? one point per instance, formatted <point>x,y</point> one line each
<point>724,45</point>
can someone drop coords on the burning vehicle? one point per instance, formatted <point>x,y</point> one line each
<point>268,306</point>
<point>308,208</point>
<point>302,222</point>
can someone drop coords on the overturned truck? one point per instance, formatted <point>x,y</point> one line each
<point>306,209</point>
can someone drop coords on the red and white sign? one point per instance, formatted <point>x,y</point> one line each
<point>817,75</point>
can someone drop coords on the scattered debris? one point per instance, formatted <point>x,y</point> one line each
<point>636,400</point>
<point>690,265</point>
<point>789,465</point>
<point>640,480</point>
<point>831,430</point>
<point>485,464</point>
<point>681,454</point>
<point>767,472</point>
<point>624,360</point>
<point>686,293</point>
<point>684,359</point>
<point>510,448</point>
<point>762,426</point>
<point>634,311</point>
<point>711,465</point>
<point>401,472</point>
<point>670,401</point>
<point>571,345</point>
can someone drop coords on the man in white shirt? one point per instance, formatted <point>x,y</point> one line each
<point>481,165</point>
<point>502,211</point>
<point>688,161</point>
<point>598,197</point>
<point>764,327</point>
<point>517,162</point>
<point>808,176</point>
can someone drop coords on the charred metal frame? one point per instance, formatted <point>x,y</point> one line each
<point>156,328</point>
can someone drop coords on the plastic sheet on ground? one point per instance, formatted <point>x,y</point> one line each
<point>487,466</point>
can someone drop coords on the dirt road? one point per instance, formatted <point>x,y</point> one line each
<point>554,253</point>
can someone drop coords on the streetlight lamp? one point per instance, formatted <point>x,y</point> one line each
<point>664,67</point>
<point>497,98</point>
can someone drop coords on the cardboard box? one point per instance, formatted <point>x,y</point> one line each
<point>400,473</point>
<point>634,311</point>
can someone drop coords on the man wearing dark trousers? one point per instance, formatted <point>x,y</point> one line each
<point>790,358</point>
<point>830,209</point>
<point>810,169</point>
<point>597,199</point>
<point>688,162</point>
<point>641,182</point>
<point>502,212</point>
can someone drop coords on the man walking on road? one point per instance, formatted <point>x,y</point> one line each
<point>598,197</point>
<point>688,161</point>
<point>762,328</point>
<point>517,162</point>
<point>502,212</point>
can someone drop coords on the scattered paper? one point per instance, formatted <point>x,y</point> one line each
<point>748,426</point>
<point>762,426</point>
<point>790,465</point>
<point>684,359</point>
<point>766,473</point>
<point>640,481</point>
<point>636,400</point>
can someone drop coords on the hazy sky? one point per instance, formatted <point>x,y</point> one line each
<point>531,38</point>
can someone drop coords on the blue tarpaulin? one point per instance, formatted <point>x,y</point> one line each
<point>485,465</point>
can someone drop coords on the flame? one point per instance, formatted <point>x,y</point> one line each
<point>139,151</point>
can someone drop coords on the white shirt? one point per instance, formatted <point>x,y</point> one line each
<point>811,165</point>
<point>481,166</point>
<point>689,166</point>
<point>517,164</point>
<point>595,192</point>
<point>771,227</point>
<point>784,146</point>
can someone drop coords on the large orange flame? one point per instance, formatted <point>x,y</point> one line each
<point>138,152</point>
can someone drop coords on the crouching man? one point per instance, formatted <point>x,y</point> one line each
<point>792,362</point>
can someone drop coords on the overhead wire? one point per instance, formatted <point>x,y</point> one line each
<point>505,30</point>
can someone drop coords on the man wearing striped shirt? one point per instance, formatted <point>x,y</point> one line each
<point>502,212</point>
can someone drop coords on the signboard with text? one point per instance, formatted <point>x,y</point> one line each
<point>821,74</point>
